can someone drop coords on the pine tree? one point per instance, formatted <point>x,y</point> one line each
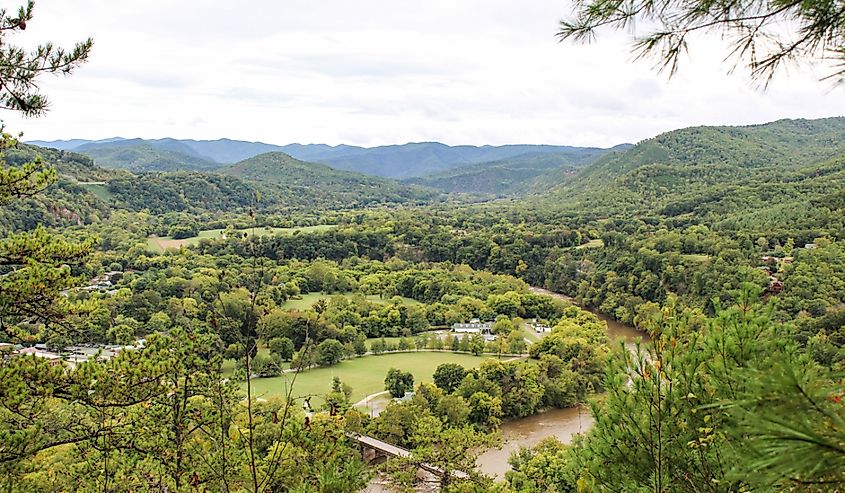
<point>35,266</point>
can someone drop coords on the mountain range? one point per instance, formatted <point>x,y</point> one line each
<point>750,178</point>
<point>393,161</point>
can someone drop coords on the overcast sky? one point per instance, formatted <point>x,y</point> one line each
<point>375,72</point>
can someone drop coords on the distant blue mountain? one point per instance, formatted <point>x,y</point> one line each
<point>392,161</point>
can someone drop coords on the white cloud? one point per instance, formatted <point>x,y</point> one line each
<point>379,72</point>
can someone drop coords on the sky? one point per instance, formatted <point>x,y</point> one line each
<point>377,72</point>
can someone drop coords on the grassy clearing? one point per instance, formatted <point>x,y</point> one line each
<point>99,190</point>
<point>365,374</point>
<point>306,301</point>
<point>529,333</point>
<point>162,243</point>
<point>695,257</point>
<point>598,243</point>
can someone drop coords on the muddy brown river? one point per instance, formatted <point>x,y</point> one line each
<point>562,424</point>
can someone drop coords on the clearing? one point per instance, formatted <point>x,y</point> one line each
<point>591,244</point>
<point>365,374</point>
<point>162,243</point>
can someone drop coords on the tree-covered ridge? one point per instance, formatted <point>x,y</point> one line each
<point>425,158</point>
<point>393,161</point>
<point>718,174</point>
<point>306,184</point>
<point>140,155</point>
<point>88,193</point>
<point>519,174</point>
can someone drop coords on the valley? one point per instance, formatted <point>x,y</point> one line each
<point>319,292</point>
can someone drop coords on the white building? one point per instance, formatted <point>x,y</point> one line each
<point>475,326</point>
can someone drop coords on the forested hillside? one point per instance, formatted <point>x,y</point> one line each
<point>524,174</point>
<point>139,155</point>
<point>318,185</point>
<point>775,175</point>
<point>87,193</point>
<point>424,158</point>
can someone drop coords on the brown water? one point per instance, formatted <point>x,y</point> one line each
<point>562,424</point>
<point>615,329</point>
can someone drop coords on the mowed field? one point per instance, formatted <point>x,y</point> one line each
<point>306,301</point>
<point>365,374</point>
<point>162,243</point>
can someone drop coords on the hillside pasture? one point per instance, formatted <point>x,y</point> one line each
<point>162,243</point>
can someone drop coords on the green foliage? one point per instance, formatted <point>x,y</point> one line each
<point>448,376</point>
<point>301,184</point>
<point>282,346</point>
<point>517,175</point>
<point>398,382</point>
<point>19,89</point>
<point>792,430</point>
<point>329,352</point>
<point>754,31</point>
<point>139,156</point>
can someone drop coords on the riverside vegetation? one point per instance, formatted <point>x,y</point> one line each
<point>724,244</point>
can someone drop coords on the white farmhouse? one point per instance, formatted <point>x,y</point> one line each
<point>475,326</point>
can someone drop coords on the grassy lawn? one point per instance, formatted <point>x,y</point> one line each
<point>696,257</point>
<point>162,243</point>
<point>306,301</point>
<point>529,334</point>
<point>99,190</point>
<point>598,243</point>
<point>365,375</point>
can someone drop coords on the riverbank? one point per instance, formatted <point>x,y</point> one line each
<point>562,424</point>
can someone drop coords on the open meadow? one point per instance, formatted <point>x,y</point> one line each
<point>365,374</point>
<point>162,243</point>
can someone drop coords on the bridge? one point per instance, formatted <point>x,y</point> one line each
<point>389,450</point>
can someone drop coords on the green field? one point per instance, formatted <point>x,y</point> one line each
<point>365,375</point>
<point>591,244</point>
<point>98,189</point>
<point>306,301</point>
<point>162,243</point>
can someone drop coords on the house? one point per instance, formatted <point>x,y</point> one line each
<point>475,326</point>
<point>53,358</point>
<point>542,328</point>
<point>775,285</point>
<point>811,246</point>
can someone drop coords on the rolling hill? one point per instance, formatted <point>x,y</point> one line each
<point>392,161</point>
<point>520,174</point>
<point>304,183</point>
<point>770,175</point>
<point>426,158</point>
<point>140,155</point>
<point>86,192</point>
